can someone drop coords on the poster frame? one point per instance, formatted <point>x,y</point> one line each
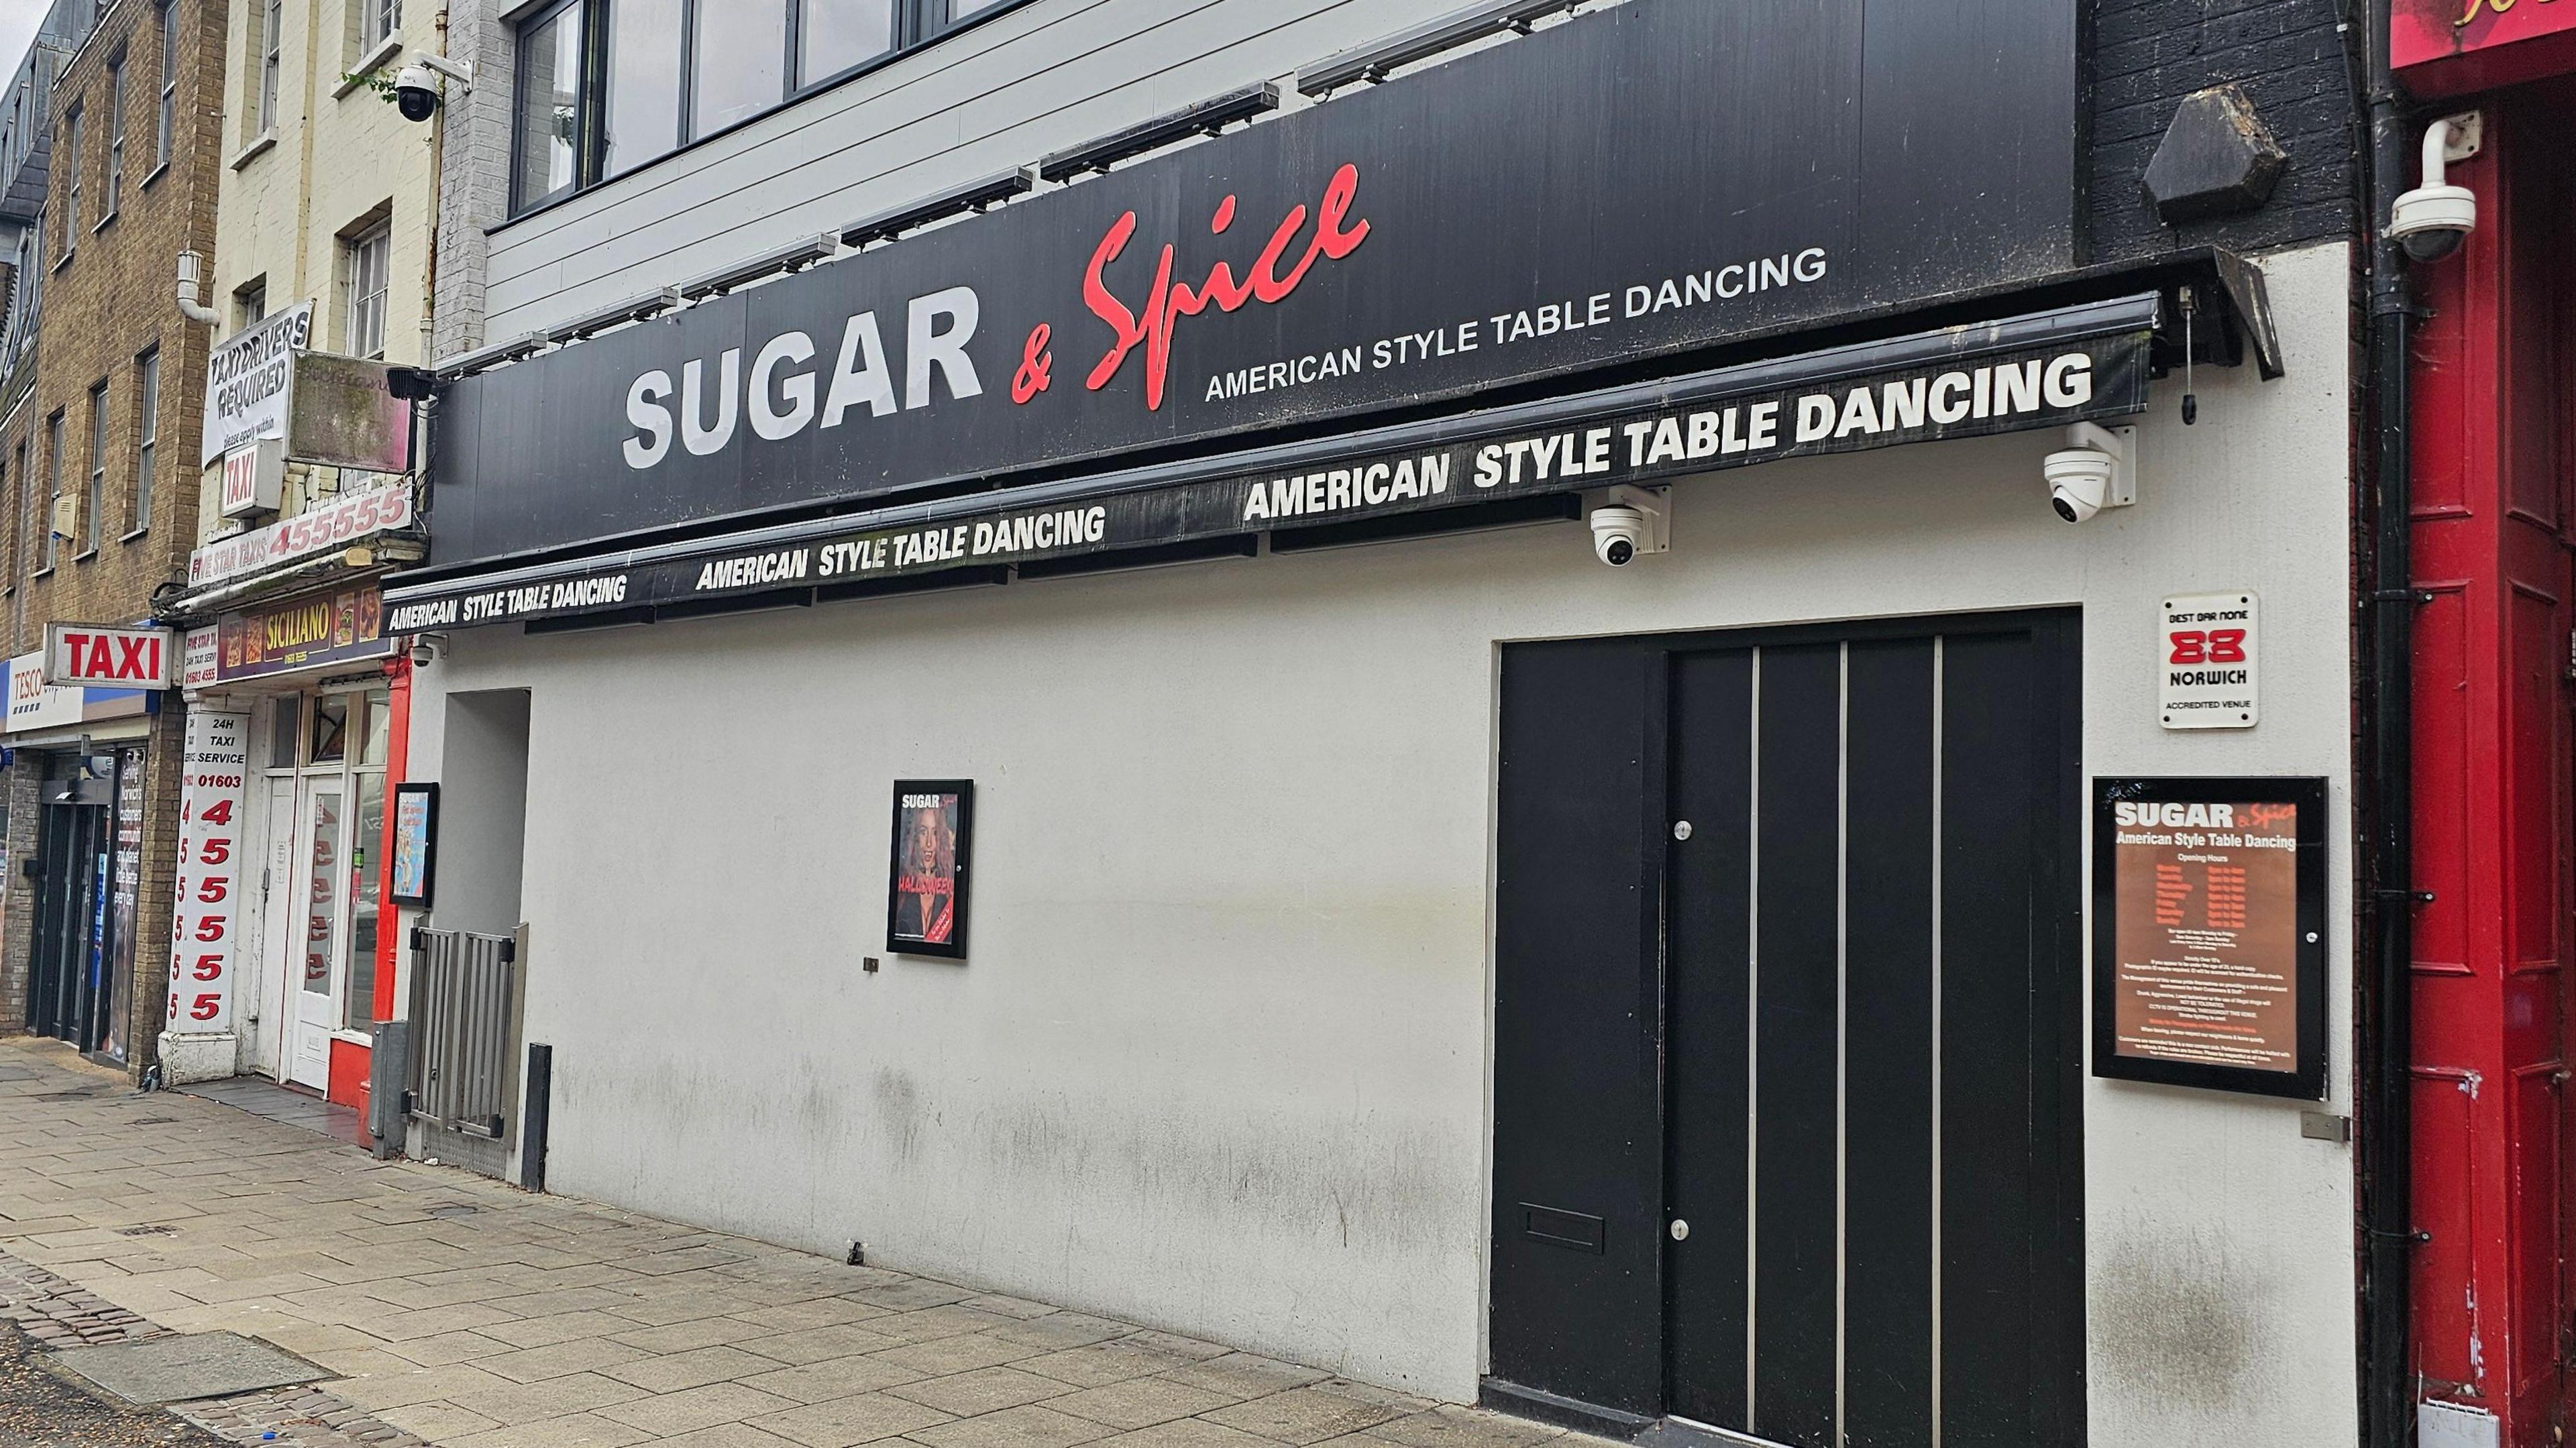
<point>2308,795</point>
<point>428,844</point>
<point>954,948</point>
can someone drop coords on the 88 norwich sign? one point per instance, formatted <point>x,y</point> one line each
<point>1499,218</point>
<point>1730,423</point>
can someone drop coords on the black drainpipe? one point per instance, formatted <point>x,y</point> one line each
<point>2387,1050</point>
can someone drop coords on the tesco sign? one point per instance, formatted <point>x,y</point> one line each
<point>118,658</point>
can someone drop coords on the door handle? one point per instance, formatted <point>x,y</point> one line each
<point>1680,1230</point>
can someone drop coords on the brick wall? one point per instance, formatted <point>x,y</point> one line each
<point>109,298</point>
<point>474,172</point>
<point>2291,58</point>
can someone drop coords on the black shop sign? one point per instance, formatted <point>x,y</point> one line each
<point>1640,181</point>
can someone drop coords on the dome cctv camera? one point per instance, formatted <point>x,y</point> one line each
<point>416,93</point>
<point>2432,220</point>
<point>416,85</point>
<point>1627,521</point>
<point>2095,471</point>
<point>1615,534</point>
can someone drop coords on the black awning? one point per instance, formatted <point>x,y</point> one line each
<point>2037,370</point>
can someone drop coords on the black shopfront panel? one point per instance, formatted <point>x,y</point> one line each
<point>1860,1030</point>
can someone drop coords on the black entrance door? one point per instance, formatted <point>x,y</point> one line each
<point>1849,1176</point>
<point>68,995</point>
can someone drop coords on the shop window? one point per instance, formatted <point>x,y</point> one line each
<point>285,726</point>
<point>607,85</point>
<point>330,729</point>
<point>366,888</point>
<point>374,731</point>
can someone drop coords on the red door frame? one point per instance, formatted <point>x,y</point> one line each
<point>2494,521</point>
<point>350,1061</point>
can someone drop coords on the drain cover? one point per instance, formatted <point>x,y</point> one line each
<point>451,1209</point>
<point>153,1121</point>
<point>147,1231</point>
<point>192,1365</point>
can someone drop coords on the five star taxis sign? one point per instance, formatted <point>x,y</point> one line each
<point>2208,662</point>
<point>102,657</point>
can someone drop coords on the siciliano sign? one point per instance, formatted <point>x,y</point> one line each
<point>1496,221</point>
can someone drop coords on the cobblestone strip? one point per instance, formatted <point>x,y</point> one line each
<point>54,1313</point>
<point>295,1418</point>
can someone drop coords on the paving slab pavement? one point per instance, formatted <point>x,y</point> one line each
<point>454,1310</point>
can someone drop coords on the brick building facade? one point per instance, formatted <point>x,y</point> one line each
<point>101,504</point>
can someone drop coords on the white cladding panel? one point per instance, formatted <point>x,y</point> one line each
<point>1037,79</point>
<point>1218,1062</point>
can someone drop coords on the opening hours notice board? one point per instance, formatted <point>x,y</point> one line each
<point>2209,933</point>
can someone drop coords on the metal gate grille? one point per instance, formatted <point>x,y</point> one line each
<point>467,988</point>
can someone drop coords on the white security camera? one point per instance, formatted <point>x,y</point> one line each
<point>2432,220</point>
<point>1629,521</point>
<point>416,84</point>
<point>2097,469</point>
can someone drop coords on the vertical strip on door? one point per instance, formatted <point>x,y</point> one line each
<point>1753,1054</point>
<point>1842,1043</point>
<point>1940,648</point>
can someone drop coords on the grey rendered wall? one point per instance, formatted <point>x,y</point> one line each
<point>1219,1060</point>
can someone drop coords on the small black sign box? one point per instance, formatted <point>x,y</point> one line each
<point>2209,903</point>
<point>1502,217</point>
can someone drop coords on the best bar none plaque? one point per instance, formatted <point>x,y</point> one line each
<point>2209,933</point>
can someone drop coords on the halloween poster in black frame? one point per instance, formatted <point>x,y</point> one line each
<point>934,832</point>
<point>2209,955</point>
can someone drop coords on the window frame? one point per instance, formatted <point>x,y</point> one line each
<point>378,22</point>
<point>93,525</point>
<point>376,237</point>
<point>73,117</point>
<point>147,445</point>
<point>113,183</point>
<point>918,24</point>
<point>53,487</point>
<point>272,42</point>
<point>166,126</point>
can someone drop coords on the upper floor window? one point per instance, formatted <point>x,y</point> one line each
<point>115,138</point>
<point>272,39</point>
<point>165,130</point>
<point>147,450</point>
<point>53,486</point>
<point>607,85</point>
<point>363,269</point>
<point>72,179</point>
<point>94,505</point>
<point>377,20</point>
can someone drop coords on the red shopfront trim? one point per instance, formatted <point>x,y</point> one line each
<point>2494,534</point>
<point>350,1062</point>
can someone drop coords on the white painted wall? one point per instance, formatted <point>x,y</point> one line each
<point>1034,80</point>
<point>1218,1062</point>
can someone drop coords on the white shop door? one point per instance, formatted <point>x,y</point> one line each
<point>314,977</point>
